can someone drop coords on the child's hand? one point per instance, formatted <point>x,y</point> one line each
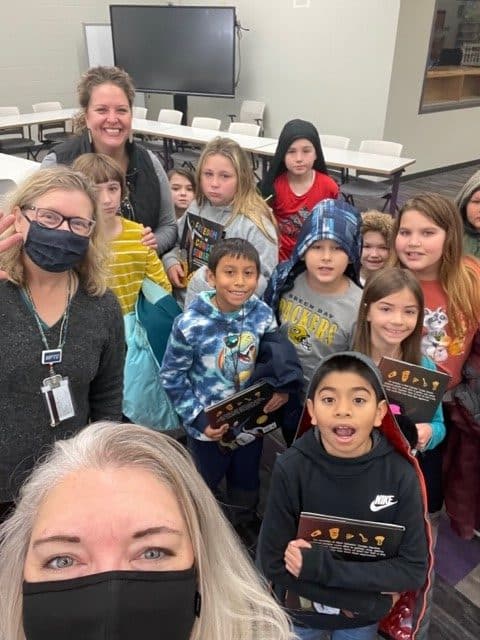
<point>149,239</point>
<point>424,431</point>
<point>216,434</point>
<point>293,556</point>
<point>275,402</point>
<point>176,275</point>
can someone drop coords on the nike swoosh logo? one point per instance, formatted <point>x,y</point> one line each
<point>379,507</point>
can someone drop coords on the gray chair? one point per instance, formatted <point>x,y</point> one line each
<point>336,142</point>
<point>369,185</point>
<point>156,144</point>
<point>51,132</point>
<point>13,140</point>
<point>188,157</point>
<point>139,112</point>
<point>251,111</point>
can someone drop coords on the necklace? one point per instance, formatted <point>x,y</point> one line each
<point>53,356</point>
<point>232,341</point>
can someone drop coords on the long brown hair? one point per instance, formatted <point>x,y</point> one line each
<point>457,276</point>
<point>247,201</point>
<point>381,284</point>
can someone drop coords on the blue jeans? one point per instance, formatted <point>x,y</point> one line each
<point>360,633</point>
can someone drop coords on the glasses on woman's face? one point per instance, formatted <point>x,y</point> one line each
<point>52,220</point>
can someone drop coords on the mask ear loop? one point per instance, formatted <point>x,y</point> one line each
<point>198,604</point>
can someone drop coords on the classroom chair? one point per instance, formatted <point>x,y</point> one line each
<point>51,132</point>
<point>188,156</point>
<point>13,140</point>
<point>156,144</point>
<point>365,184</point>
<point>139,112</point>
<point>251,111</point>
<point>336,142</point>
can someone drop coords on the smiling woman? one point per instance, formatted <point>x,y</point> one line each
<point>104,125</point>
<point>116,533</point>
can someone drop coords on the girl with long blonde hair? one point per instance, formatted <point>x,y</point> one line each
<point>225,196</point>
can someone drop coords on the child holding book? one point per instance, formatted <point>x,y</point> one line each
<point>182,186</point>
<point>347,465</point>
<point>211,354</point>
<point>296,181</point>
<point>377,235</point>
<point>226,205</point>
<point>428,242</point>
<point>131,261</point>
<point>389,323</point>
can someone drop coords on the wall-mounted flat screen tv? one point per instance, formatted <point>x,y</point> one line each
<point>176,49</point>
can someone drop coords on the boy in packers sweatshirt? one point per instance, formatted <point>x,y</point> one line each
<point>345,466</point>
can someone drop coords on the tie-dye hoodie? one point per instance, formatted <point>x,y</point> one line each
<point>206,350</point>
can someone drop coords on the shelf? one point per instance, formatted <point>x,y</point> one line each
<point>447,85</point>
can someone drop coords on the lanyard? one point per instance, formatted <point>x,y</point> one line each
<point>53,356</point>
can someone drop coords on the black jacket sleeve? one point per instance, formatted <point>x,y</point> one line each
<point>279,528</point>
<point>277,363</point>
<point>106,389</point>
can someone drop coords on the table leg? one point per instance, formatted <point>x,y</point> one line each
<point>166,153</point>
<point>395,186</point>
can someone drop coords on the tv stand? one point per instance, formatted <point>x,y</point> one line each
<point>180,103</point>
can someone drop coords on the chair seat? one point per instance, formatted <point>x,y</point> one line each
<point>188,157</point>
<point>359,187</point>
<point>16,145</point>
<point>59,136</point>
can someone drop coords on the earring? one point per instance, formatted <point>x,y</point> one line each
<point>130,137</point>
<point>89,133</point>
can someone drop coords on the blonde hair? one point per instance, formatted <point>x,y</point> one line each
<point>92,271</point>
<point>99,168</point>
<point>381,284</point>
<point>235,604</point>
<point>247,201</point>
<point>457,277</point>
<point>373,220</point>
<point>94,77</point>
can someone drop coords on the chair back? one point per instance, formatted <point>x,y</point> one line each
<point>245,128</point>
<point>46,106</point>
<point>139,112</point>
<point>50,131</point>
<point>10,111</point>
<point>170,116</point>
<point>334,142</point>
<point>207,123</point>
<point>252,111</point>
<point>381,147</point>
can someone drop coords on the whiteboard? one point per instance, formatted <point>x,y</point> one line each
<point>99,45</point>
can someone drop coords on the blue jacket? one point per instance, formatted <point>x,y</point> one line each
<point>206,351</point>
<point>330,220</point>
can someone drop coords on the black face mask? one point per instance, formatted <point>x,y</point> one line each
<point>117,605</point>
<point>54,250</point>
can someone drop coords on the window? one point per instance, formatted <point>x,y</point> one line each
<point>452,75</point>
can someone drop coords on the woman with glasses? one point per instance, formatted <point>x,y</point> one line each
<point>104,125</point>
<point>61,337</point>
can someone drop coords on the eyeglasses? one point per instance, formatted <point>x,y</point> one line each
<point>52,220</point>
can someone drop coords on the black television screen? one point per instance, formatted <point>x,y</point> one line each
<point>183,50</point>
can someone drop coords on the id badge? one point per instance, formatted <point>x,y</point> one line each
<point>56,391</point>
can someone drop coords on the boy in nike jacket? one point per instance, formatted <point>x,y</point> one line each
<point>345,466</point>
<point>212,353</point>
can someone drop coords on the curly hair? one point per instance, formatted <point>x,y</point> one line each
<point>94,77</point>
<point>373,220</point>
